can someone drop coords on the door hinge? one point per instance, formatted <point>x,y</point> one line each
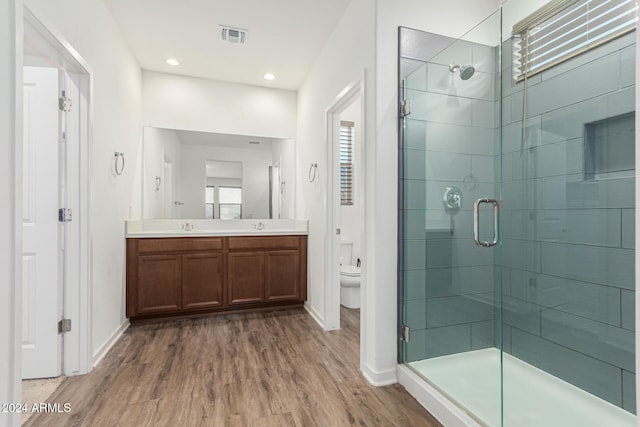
<point>405,107</point>
<point>64,215</point>
<point>64,103</point>
<point>405,333</point>
<point>64,325</point>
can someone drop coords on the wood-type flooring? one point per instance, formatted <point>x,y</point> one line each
<point>272,368</point>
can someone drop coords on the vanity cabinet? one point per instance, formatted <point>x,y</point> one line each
<point>245,282</point>
<point>174,275</point>
<point>182,276</point>
<point>264,269</point>
<point>202,280</point>
<point>282,270</point>
<point>159,283</point>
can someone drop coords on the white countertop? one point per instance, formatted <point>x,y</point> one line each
<point>208,228</point>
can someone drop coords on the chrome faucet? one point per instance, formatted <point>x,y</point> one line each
<point>259,226</point>
<point>187,226</point>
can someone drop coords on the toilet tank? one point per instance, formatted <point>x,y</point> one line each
<point>346,252</point>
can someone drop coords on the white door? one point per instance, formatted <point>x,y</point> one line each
<point>41,343</point>
<point>167,187</point>
<point>275,192</point>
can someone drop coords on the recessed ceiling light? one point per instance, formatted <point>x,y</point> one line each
<point>172,61</point>
<point>269,76</point>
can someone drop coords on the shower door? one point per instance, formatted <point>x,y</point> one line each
<point>450,157</point>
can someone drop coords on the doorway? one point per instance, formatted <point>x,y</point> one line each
<point>351,210</point>
<point>345,183</point>
<point>55,244</point>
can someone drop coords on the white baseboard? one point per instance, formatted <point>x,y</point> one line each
<point>314,314</point>
<point>379,379</point>
<point>433,401</point>
<point>104,349</point>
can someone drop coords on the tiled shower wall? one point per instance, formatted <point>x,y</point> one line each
<point>449,140</point>
<point>569,238</point>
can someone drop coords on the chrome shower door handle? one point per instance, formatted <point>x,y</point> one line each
<point>476,222</point>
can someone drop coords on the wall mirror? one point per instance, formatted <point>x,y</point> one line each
<point>200,175</point>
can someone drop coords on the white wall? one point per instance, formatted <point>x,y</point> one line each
<point>158,145</point>
<point>191,103</point>
<point>88,26</point>
<point>352,216</point>
<point>255,178</point>
<point>346,56</point>
<point>9,345</point>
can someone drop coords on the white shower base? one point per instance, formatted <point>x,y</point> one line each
<point>532,397</point>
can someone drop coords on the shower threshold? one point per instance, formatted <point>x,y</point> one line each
<point>532,397</point>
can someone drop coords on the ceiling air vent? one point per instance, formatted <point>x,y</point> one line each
<point>233,35</point>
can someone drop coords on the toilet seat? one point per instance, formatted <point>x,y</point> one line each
<point>349,270</point>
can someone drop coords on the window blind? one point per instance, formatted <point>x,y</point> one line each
<point>565,29</point>
<point>346,163</point>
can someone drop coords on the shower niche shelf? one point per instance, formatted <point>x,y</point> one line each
<point>610,147</point>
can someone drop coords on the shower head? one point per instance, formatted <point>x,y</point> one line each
<point>466,71</point>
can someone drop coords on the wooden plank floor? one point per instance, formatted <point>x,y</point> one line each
<point>273,368</point>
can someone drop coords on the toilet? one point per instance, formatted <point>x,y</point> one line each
<point>349,276</point>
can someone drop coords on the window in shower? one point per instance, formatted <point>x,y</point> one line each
<point>563,29</point>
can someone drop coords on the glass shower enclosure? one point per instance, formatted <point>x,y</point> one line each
<point>516,228</point>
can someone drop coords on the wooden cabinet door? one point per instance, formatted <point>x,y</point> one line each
<point>159,285</point>
<point>245,280</point>
<point>202,280</point>
<point>282,273</point>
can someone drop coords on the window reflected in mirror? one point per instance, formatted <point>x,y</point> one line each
<point>230,202</point>
<point>209,201</point>
<point>223,190</point>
